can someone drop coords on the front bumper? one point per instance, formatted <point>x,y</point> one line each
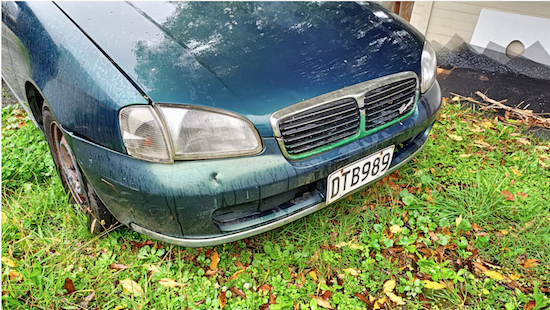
<point>209,202</point>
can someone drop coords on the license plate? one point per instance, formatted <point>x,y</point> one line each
<point>358,174</point>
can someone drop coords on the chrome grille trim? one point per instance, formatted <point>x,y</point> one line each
<point>357,92</point>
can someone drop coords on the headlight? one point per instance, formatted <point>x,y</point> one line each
<point>193,133</point>
<point>429,67</point>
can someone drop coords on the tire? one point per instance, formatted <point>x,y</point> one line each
<point>74,182</point>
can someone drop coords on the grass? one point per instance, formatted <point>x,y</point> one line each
<point>465,225</point>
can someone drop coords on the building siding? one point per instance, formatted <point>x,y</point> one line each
<point>440,21</point>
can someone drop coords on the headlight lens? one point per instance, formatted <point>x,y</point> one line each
<point>429,67</point>
<point>209,133</point>
<point>191,133</point>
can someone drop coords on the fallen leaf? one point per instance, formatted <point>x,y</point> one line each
<point>152,268</point>
<point>166,282</point>
<point>272,298</point>
<point>117,266</point>
<point>222,298</point>
<point>313,275</point>
<point>352,271</point>
<point>14,274</point>
<point>379,303</point>
<point>210,273</point>
<point>326,295</point>
<point>200,302</point>
<point>321,302</point>
<point>514,171</point>
<point>522,195</point>
<point>530,305</point>
<point>458,220</point>
<point>433,236</point>
<point>515,277</point>
<point>532,262</point>
<point>508,195</point>
<point>87,299</point>
<point>9,262</point>
<point>239,265</point>
<point>504,232</point>
<point>483,78</point>
<point>131,287</point>
<point>433,285</point>
<point>215,258</point>
<point>238,292</point>
<point>237,274</point>
<point>69,286</point>
<point>455,137</point>
<point>494,275</point>
<point>265,287</point>
<point>395,229</point>
<point>396,299</point>
<point>465,155</point>
<point>389,286</point>
<point>362,298</point>
<point>144,243</point>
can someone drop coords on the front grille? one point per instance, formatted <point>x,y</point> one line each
<point>320,126</point>
<point>383,104</point>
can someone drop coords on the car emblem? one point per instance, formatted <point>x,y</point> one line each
<point>404,107</point>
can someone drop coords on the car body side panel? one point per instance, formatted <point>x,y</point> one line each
<point>252,58</point>
<point>83,88</point>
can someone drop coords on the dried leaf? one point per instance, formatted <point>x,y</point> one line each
<point>238,292</point>
<point>379,303</point>
<point>321,302</point>
<point>532,262</point>
<point>465,155</point>
<point>433,285</point>
<point>352,271</point>
<point>395,229</point>
<point>166,282</point>
<point>433,236</point>
<point>508,195</point>
<point>222,298</point>
<point>87,299</point>
<point>215,258</point>
<point>237,274</point>
<point>326,295</point>
<point>504,232</point>
<point>210,273</point>
<point>362,298</point>
<point>515,277</point>
<point>389,286</point>
<point>144,243</point>
<point>514,171</point>
<point>117,266</point>
<point>272,298</point>
<point>131,287</point>
<point>265,287</point>
<point>455,137</point>
<point>14,274</point>
<point>9,262</point>
<point>69,286</point>
<point>522,195</point>
<point>494,275</point>
<point>396,299</point>
<point>313,275</point>
<point>458,220</point>
<point>200,302</point>
<point>239,265</point>
<point>530,305</point>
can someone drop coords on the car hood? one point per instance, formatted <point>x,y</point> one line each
<point>252,58</point>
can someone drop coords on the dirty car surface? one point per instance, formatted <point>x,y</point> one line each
<point>201,123</point>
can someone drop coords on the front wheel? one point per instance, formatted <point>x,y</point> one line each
<point>75,183</point>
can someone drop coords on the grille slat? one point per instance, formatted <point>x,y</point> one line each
<point>337,120</point>
<point>382,104</point>
<point>320,126</point>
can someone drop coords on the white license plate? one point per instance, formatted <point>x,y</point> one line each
<point>358,174</point>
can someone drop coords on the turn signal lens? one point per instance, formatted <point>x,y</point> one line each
<point>142,133</point>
